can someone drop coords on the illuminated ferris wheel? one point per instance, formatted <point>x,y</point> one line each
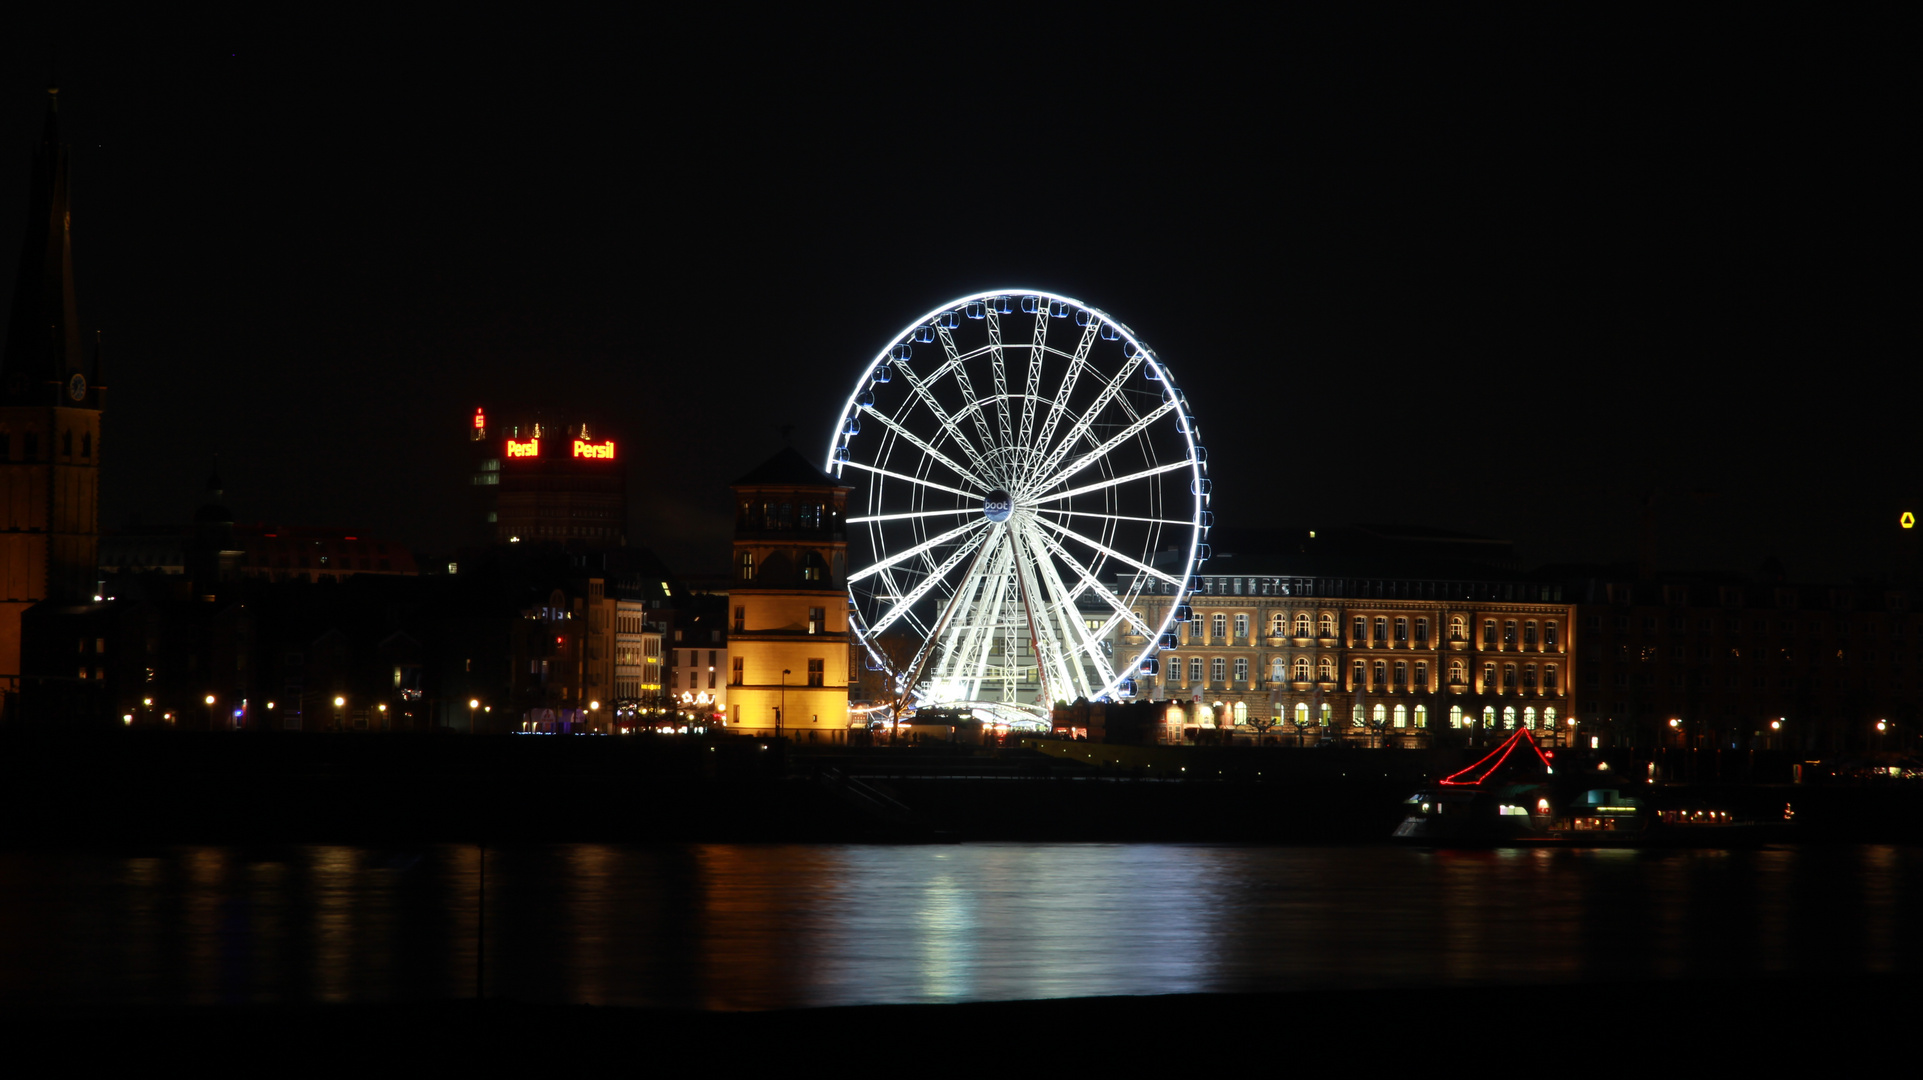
<point>1025,471</point>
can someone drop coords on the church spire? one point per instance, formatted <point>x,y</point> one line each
<point>43,332</point>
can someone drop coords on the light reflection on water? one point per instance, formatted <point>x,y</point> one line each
<point>753,927</point>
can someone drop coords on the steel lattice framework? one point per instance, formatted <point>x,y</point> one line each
<point>1009,534</point>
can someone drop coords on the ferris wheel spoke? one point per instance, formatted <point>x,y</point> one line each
<point>1094,584</point>
<point>914,595</point>
<point>1138,564</point>
<point>1069,614</point>
<point>878,471</point>
<point>1037,359</point>
<point>968,389</point>
<point>948,425</point>
<point>1075,365</point>
<point>924,514</point>
<point>1090,416</point>
<point>916,441</point>
<point>1110,482</point>
<point>1140,425</point>
<point>921,548</point>
<point>1086,514</point>
<point>998,367</point>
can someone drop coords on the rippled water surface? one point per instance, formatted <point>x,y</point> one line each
<point>733,927</point>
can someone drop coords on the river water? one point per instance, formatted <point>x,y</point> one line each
<point>766,926</point>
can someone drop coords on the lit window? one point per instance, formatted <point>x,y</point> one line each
<point>1242,669</point>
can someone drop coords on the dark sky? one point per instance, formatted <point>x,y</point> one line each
<point>1504,277</point>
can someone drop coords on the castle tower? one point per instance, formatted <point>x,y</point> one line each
<point>50,401</point>
<point>789,601</point>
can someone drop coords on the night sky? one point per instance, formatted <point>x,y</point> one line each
<point>1503,277</point>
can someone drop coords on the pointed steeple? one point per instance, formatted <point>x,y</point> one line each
<point>43,332</point>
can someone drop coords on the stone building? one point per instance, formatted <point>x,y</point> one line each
<point>1384,646</point>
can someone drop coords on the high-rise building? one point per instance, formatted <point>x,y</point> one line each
<point>50,404</point>
<point>788,644</point>
<point>547,480</point>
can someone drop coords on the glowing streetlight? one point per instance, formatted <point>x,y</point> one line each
<point>472,704</point>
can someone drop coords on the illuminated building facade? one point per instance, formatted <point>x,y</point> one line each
<point>1354,649</point>
<point>540,480</point>
<point>50,406</point>
<point>788,644</point>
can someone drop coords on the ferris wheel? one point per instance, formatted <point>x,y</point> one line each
<point>1025,471</point>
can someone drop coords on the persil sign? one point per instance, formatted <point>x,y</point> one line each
<point>530,448</point>
<point>601,450</point>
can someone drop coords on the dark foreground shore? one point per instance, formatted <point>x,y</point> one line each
<point>1636,1028</point>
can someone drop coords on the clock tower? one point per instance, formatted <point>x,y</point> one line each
<point>50,401</point>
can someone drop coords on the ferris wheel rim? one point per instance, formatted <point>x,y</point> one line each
<point>1045,477</point>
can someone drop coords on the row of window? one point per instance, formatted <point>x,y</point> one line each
<point>30,444</point>
<point>1529,633</point>
<point>1524,676</point>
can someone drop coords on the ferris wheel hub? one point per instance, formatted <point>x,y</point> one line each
<point>997,505</point>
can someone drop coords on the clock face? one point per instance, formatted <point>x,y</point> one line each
<point>77,386</point>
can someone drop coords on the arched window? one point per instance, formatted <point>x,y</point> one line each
<point>1509,718</point>
<point>1219,626</point>
<point>1422,676</point>
<point>1275,669</point>
<point>1529,677</point>
<point>1241,713</point>
<point>1529,634</point>
<point>1422,716</point>
<point>1550,638</point>
<point>1488,678</point>
<point>1458,628</point>
<point>1381,715</point>
<point>1455,716</point>
<point>1529,718</point>
<point>1195,669</point>
<point>1302,625</point>
<point>1360,678</point>
<point>1241,627</point>
<point>1301,713</point>
<point>1549,678</point>
<point>1327,625</point>
<point>1279,625</point>
<point>1218,669</point>
<point>1242,670</point>
<point>1457,675</point>
<point>1328,714</point>
<point>1549,719</point>
<point>1301,669</point>
<point>1508,676</point>
<point>1325,670</point>
<point>1355,717</point>
<point>1402,716</point>
<point>1381,673</point>
<point>1488,716</point>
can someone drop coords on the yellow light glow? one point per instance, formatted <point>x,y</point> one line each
<point>473,703</point>
<point>210,699</point>
<point>339,701</point>
<point>1908,520</point>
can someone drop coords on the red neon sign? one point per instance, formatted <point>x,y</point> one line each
<point>602,450</point>
<point>530,448</point>
<point>480,420</point>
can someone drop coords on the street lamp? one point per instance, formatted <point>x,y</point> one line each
<point>210,711</point>
<point>472,704</point>
<point>383,708</point>
<point>784,702</point>
<point>593,708</point>
<point>340,724</point>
